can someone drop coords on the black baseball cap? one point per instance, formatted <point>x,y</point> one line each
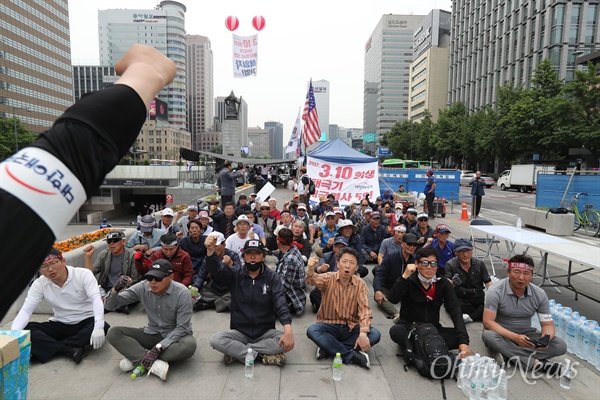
<point>160,268</point>
<point>410,238</point>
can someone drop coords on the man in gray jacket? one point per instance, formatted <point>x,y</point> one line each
<point>111,263</point>
<point>228,179</point>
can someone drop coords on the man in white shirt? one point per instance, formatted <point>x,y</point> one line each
<point>78,311</point>
<point>237,241</point>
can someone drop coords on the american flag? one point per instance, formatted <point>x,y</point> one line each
<point>310,116</point>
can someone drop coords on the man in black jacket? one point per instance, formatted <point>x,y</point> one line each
<point>421,295</point>
<point>257,298</point>
<point>390,270</point>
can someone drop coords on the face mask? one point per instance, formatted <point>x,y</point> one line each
<point>252,267</point>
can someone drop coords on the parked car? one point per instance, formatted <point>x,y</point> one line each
<point>467,177</point>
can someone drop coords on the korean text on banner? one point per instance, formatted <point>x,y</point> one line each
<point>347,182</point>
<point>245,56</point>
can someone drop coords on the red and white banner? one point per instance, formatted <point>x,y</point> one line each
<point>347,182</point>
<point>245,56</point>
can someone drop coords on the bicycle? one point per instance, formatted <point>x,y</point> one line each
<point>589,218</point>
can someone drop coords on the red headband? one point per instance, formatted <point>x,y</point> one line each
<point>52,257</point>
<point>519,265</point>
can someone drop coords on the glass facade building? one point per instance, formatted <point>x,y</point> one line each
<point>500,42</point>
<point>162,28</point>
<point>388,56</point>
<point>200,87</point>
<point>275,139</point>
<point>36,82</point>
<point>91,78</point>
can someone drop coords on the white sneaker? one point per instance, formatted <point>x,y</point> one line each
<point>467,318</point>
<point>160,368</point>
<point>126,365</point>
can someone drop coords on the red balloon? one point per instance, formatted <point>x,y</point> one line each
<point>258,22</point>
<point>232,23</point>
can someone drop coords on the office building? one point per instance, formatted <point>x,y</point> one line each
<point>162,28</point>
<point>161,141</point>
<point>200,87</point>
<point>501,42</point>
<point>388,56</point>
<point>429,69</point>
<point>259,142</point>
<point>275,139</point>
<point>322,90</point>
<point>36,83</point>
<point>91,78</point>
<point>334,131</point>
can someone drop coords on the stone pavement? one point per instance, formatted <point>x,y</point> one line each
<point>204,376</point>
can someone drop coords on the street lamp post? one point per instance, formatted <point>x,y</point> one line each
<point>15,125</point>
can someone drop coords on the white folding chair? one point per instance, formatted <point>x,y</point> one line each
<point>489,242</point>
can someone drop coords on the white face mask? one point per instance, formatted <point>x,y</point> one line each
<point>425,280</point>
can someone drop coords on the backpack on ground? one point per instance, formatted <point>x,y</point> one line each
<point>428,352</point>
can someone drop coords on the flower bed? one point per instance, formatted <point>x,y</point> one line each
<point>81,240</point>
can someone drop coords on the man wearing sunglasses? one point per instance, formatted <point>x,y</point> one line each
<point>78,312</point>
<point>421,294</point>
<point>111,263</point>
<point>423,231</point>
<point>168,335</point>
<point>171,251</point>
<point>328,230</point>
<point>391,268</point>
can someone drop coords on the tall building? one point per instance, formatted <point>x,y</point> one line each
<point>200,87</point>
<point>429,69</point>
<point>36,83</point>
<point>275,139</point>
<point>388,55</point>
<point>162,28</point>
<point>161,141</point>
<point>501,42</point>
<point>91,78</point>
<point>322,90</point>
<point>334,131</point>
<point>260,142</point>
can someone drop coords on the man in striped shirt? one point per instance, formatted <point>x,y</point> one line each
<point>344,318</point>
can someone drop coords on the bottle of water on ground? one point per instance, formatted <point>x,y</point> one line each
<point>138,371</point>
<point>567,376</point>
<point>571,334</point>
<point>337,367</point>
<point>249,369</point>
<point>595,347</point>
<point>565,318</point>
<point>588,348</point>
<point>556,312</point>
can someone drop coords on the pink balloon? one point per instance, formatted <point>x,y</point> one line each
<point>258,22</point>
<point>232,23</point>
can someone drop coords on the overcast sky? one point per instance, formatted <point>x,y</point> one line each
<point>322,39</point>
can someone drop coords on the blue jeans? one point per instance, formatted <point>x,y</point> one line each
<point>337,338</point>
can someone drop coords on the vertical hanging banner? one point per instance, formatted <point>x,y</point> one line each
<point>245,56</point>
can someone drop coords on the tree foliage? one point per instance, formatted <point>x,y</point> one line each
<point>7,136</point>
<point>547,119</point>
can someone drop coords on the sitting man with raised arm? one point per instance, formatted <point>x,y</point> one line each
<point>168,335</point>
<point>78,312</point>
<point>421,294</point>
<point>174,254</point>
<point>257,299</point>
<point>213,294</point>
<point>344,318</point>
<point>327,263</point>
<point>509,306</point>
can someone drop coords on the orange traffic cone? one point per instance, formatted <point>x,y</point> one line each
<point>465,214</point>
<point>444,207</point>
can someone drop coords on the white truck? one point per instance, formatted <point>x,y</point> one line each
<point>522,177</point>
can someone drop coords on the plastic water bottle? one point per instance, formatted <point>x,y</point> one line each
<point>138,371</point>
<point>519,224</point>
<point>580,337</point>
<point>535,322</point>
<point>556,312</point>
<point>193,290</point>
<point>571,334</point>
<point>596,348</point>
<point>249,369</point>
<point>588,345</point>
<point>567,376</point>
<point>337,367</point>
<point>502,390</point>
<point>565,318</point>
<point>552,304</point>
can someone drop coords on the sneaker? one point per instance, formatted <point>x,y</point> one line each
<point>499,358</point>
<point>160,368</point>
<point>321,355</point>
<point>361,359</point>
<point>467,318</point>
<point>315,308</point>
<point>126,365</point>
<point>228,360</point>
<point>552,368</point>
<point>74,353</point>
<point>273,359</point>
<point>396,319</point>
